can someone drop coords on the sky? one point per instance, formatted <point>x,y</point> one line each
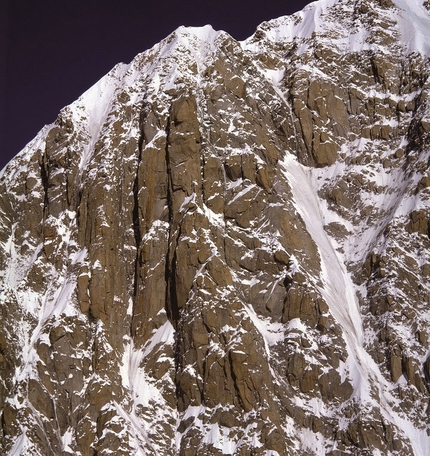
<point>51,51</point>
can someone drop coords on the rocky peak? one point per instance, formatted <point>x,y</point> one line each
<point>223,248</point>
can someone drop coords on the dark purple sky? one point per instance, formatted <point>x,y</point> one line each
<point>52,51</point>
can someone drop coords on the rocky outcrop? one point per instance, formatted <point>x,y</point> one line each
<point>227,252</point>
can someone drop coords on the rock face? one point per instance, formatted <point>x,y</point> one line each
<point>223,248</point>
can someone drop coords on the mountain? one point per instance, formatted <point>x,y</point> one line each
<point>223,248</point>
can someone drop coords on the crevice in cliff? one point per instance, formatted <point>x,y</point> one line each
<point>137,235</point>
<point>179,393</point>
<point>45,182</point>
<point>230,370</point>
<point>171,304</point>
<point>136,225</point>
<point>172,308</point>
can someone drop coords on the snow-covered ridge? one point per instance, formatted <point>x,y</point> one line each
<point>411,23</point>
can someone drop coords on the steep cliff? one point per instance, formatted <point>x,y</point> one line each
<point>223,248</point>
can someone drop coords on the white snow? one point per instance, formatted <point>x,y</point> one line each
<point>138,432</point>
<point>222,438</point>
<point>300,25</point>
<point>93,106</point>
<point>20,445</point>
<point>272,333</point>
<point>339,292</point>
<point>163,335</point>
<point>67,440</point>
<point>133,376</point>
<point>414,25</point>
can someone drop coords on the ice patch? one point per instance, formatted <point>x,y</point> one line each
<point>20,445</point>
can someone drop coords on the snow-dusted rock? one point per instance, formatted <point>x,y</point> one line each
<point>223,248</point>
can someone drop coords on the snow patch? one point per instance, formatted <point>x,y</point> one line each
<point>272,333</point>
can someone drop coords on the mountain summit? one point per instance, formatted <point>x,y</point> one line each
<point>224,248</point>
